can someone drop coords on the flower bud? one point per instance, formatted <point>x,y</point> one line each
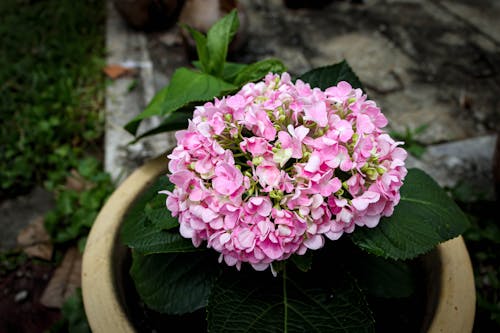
<point>380,170</point>
<point>355,138</point>
<point>257,160</point>
<point>372,174</point>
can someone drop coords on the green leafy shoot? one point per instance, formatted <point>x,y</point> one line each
<point>258,70</point>
<point>214,77</point>
<point>218,38</point>
<point>186,86</point>
<point>212,48</point>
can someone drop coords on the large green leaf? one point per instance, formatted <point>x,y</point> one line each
<point>231,69</point>
<point>291,302</point>
<point>381,277</point>
<point>157,213</point>
<point>173,121</point>
<point>425,217</point>
<point>186,86</point>
<point>325,77</point>
<point>218,38</point>
<point>150,228</point>
<point>154,108</point>
<point>201,47</point>
<point>258,70</point>
<point>175,283</point>
<point>150,203</point>
<point>302,262</point>
<point>239,74</point>
<point>146,238</point>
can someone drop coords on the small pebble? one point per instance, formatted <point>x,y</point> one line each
<point>21,296</point>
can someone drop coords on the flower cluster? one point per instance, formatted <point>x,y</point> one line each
<point>279,166</point>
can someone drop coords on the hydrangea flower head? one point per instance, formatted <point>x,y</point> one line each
<point>279,167</point>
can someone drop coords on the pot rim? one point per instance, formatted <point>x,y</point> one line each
<point>454,312</point>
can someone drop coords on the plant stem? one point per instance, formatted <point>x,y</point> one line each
<point>285,301</point>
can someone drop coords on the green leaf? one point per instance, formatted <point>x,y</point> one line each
<point>218,38</point>
<point>186,86</point>
<point>258,70</point>
<point>425,217</point>
<point>148,228</point>
<point>156,212</point>
<point>231,69</point>
<point>239,74</point>
<point>303,262</point>
<point>325,77</point>
<point>88,167</point>
<point>201,47</point>
<point>154,108</point>
<point>136,212</point>
<point>73,318</point>
<point>175,283</point>
<point>383,277</point>
<point>148,239</point>
<point>173,121</point>
<point>291,302</point>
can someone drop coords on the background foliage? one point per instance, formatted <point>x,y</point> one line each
<point>51,89</point>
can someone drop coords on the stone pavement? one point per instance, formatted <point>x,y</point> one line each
<point>432,63</point>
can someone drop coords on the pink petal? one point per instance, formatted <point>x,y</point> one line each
<point>235,102</point>
<point>364,124</point>
<point>313,163</point>
<point>246,238</point>
<point>314,242</point>
<point>271,249</point>
<point>317,113</point>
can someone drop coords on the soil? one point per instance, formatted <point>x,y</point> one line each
<point>21,289</point>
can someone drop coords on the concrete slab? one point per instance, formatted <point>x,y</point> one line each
<point>126,97</point>
<point>465,163</point>
<point>16,214</point>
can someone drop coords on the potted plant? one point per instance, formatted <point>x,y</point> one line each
<point>294,178</point>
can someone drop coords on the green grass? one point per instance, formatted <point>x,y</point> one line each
<point>51,89</point>
<point>52,119</point>
<point>483,243</point>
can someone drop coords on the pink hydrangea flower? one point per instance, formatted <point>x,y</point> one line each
<point>277,167</point>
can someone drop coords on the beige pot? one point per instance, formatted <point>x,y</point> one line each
<point>452,292</point>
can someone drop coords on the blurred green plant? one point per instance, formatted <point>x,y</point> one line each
<point>73,318</point>
<point>77,208</point>
<point>10,260</point>
<point>409,137</point>
<point>483,243</point>
<point>51,88</point>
